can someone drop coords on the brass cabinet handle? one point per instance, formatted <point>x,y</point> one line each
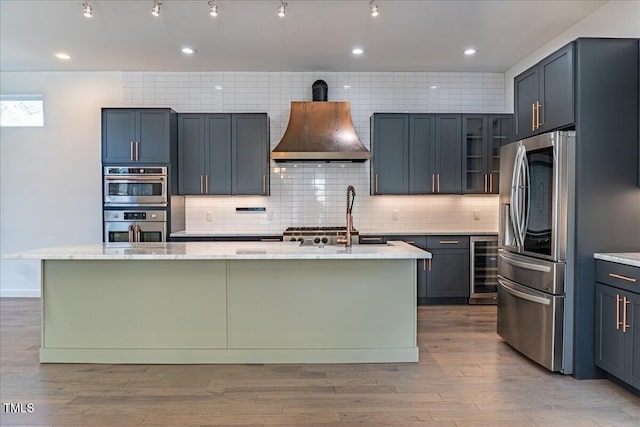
<point>264,183</point>
<point>485,183</point>
<point>538,106</point>
<point>376,183</point>
<point>438,178</point>
<point>491,183</point>
<point>201,184</point>
<point>131,151</point>
<point>625,301</point>
<point>371,239</point>
<point>533,116</point>
<point>618,276</point>
<point>429,264</point>
<point>618,301</point>
<point>449,242</point>
<point>206,183</point>
<point>137,151</point>
<point>433,183</point>
<point>424,265</point>
<point>272,239</point>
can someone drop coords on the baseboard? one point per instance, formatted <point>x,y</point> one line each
<point>19,293</point>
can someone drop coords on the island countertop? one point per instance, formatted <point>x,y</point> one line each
<point>222,251</point>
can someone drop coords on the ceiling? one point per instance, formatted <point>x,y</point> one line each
<point>247,35</point>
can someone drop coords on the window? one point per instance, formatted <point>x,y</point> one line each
<point>21,111</point>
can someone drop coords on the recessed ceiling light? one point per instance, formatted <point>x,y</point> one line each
<point>347,86</point>
<point>433,87</point>
<point>87,10</point>
<point>188,50</point>
<point>470,51</point>
<point>357,51</point>
<point>155,10</point>
<point>62,55</point>
<point>218,87</point>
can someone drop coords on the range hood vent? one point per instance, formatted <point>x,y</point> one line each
<point>320,131</point>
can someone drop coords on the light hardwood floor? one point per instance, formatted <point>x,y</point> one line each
<point>467,376</point>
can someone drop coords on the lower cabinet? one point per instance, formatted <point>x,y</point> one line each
<point>448,270</point>
<point>443,279</point>
<point>617,338</point>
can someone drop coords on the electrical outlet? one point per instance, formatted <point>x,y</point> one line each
<point>476,215</point>
<point>394,214</point>
<point>209,216</point>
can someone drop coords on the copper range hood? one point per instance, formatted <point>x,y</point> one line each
<point>320,131</point>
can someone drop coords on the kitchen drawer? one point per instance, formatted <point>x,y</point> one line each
<point>618,275</point>
<point>372,239</point>
<point>448,242</point>
<point>418,241</point>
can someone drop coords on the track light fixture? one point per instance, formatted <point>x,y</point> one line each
<point>155,10</point>
<point>374,9</point>
<point>213,8</point>
<point>87,10</point>
<point>282,10</point>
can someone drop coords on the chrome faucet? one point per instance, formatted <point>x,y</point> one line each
<point>351,196</point>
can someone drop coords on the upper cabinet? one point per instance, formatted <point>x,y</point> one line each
<point>544,95</point>
<point>415,153</point>
<point>137,136</point>
<point>390,147</point>
<point>224,154</point>
<point>250,154</point>
<point>437,153</point>
<point>482,137</point>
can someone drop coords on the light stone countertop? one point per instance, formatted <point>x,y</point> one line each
<point>184,233</point>
<point>221,251</point>
<point>627,258</point>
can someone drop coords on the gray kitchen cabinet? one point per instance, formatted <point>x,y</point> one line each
<point>448,270</point>
<point>137,136</point>
<point>447,166</point>
<point>223,154</point>
<point>416,153</point>
<point>390,146</point>
<point>617,338</point>
<point>250,154</point>
<point>204,144</point>
<point>544,95</point>
<point>422,139</point>
<point>482,137</point>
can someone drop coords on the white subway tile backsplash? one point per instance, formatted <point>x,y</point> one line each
<point>314,194</point>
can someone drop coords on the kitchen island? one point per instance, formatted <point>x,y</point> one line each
<point>246,302</point>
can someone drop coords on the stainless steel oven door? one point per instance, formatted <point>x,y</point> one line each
<point>532,323</point>
<point>131,231</point>
<point>135,190</point>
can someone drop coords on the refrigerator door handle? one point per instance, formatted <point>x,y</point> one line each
<point>525,265</point>
<point>523,295</point>
<point>516,208</point>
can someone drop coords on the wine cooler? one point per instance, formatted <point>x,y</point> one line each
<point>483,269</point>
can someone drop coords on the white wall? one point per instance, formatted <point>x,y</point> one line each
<point>616,18</point>
<point>50,184</point>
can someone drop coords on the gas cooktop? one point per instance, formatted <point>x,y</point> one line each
<point>317,235</point>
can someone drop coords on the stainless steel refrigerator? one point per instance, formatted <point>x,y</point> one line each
<point>535,286</point>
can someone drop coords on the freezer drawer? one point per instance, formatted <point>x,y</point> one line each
<point>531,322</point>
<point>539,274</point>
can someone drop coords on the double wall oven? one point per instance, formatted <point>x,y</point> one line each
<point>135,204</point>
<point>535,294</point>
